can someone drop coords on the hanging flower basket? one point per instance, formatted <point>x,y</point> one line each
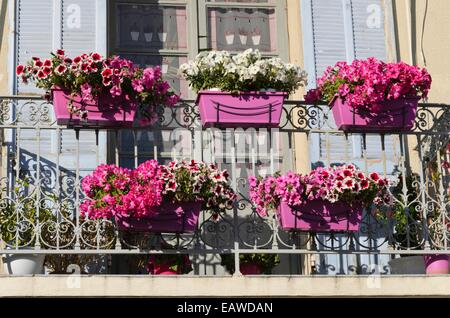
<point>326,199</point>
<point>91,90</point>
<point>371,95</point>
<point>246,109</point>
<point>321,216</point>
<point>156,198</point>
<point>244,90</point>
<point>170,218</point>
<point>104,111</point>
<point>388,116</point>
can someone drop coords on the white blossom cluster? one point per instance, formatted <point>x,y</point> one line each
<point>245,71</point>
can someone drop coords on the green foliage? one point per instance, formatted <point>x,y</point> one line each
<point>407,222</point>
<point>266,261</point>
<point>20,218</point>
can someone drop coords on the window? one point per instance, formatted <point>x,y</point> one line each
<point>344,31</point>
<point>168,33</point>
<point>152,34</point>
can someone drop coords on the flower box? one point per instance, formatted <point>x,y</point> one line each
<point>371,95</point>
<point>436,264</point>
<point>250,269</point>
<point>104,111</point>
<point>171,218</point>
<point>242,90</point>
<point>246,109</point>
<point>251,264</point>
<point>169,264</point>
<point>91,90</point>
<point>321,216</point>
<point>389,116</point>
<point>326,199</point>
<point>163,269</point>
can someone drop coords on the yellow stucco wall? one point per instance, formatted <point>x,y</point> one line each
<point>4,38</point>
<point>295,41</point>
<point>423,38</point>
<point>429,25</point>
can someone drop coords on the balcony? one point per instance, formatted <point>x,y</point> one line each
<point>54,159</point>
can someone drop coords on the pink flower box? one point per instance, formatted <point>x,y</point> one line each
<point>250,269</point>
<point>104,111</point>
<point>390,116</point>
<point>321,216</point>
<point>171,218</point>
<point>246,109</point>
<point>163,269</point>
<point>436,264</point>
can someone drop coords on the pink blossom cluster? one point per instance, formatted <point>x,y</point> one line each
<point>112,190</point>
<point>365,83</point>
<point>106,188</point>
<point>90,75</point>
<point>342,183</point>
<point>198,181</point>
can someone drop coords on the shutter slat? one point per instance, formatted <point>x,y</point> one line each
<point>78,39</point>
<point>35,30</point>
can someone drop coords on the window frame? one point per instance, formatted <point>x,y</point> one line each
<point>197,41</point>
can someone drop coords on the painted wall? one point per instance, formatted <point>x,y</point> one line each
<point>423,38</point>
<point>295,42</point>
<point>4,38</point>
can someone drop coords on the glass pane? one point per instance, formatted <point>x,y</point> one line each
<point>169,67</point>
<point>236,29</point>
<point>151,27</point>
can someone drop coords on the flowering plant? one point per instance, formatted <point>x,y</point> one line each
<point>246,71</point>
<point>188,181</point>
<point>178,263</point>
<point>91,75</point>
<point>265,261</point>
<point>364,83</point>
<point>343,183</point>
<point>113,190</point>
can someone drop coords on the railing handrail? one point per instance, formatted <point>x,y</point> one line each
<point>287,101</point>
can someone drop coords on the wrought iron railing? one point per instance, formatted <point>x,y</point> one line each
<point>43,164</point>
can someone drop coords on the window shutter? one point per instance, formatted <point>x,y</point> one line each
<point>44,26</point>
<point>368,18</point>
<point>78,26</point>
<point>343,30</point>
<point>329,34</point>
<point>35,34</point>
<point>368,29</point>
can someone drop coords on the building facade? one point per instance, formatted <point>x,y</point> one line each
<point>311,33</point>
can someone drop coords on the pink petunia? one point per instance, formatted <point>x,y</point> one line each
<point>61,69</point>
